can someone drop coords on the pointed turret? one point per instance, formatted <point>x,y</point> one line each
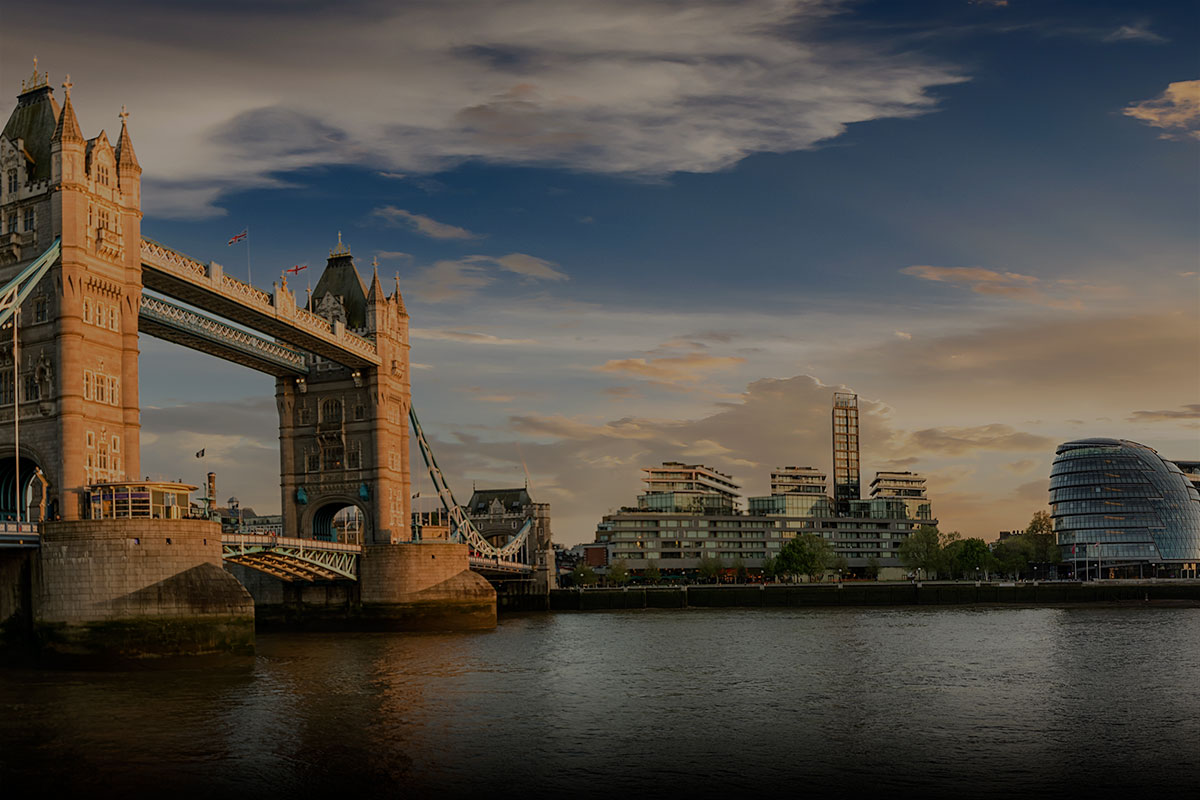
<point>397,298</point>
<point>67,130</point>
<point>126,158</point>
<point>340,292</point>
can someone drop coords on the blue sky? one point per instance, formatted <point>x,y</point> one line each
<point>630,232</point>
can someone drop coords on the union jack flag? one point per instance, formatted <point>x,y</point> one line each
<point>239,237</point>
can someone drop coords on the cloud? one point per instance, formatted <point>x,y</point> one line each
<point>621,392</point>
<point>468,337</point>
<point>1012,285</point>
<point>609,86</point>
<point>1190,411</point>
<point>448,280</point>
<point>397,176</point>
<point>1176,111</point>
<point>422,224</point>
<point>903,335</point>
<point>957,441</point>
<point>529,266</point>
<point>672,369</point>
<point>1021,467</point>
<point>458,279</point>
<point>1138,32</point>
<point>393,255</point>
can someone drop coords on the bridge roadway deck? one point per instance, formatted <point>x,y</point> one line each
<point>207,287</point>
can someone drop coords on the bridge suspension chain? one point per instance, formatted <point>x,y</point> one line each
<point>13,293</point>
<point>463,527</point>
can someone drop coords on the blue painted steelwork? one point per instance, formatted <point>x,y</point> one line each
<point>464,530</point>
<point>167,320</point>
<point>16,290</point>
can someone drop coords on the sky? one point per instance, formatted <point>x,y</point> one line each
<point>631,232</point>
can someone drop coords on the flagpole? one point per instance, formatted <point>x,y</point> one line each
<point>249,277</point>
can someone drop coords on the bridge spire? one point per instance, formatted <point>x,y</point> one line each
<point>67,129</point>
<point>126,159</point>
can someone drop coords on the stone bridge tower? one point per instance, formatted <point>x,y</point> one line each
<point>343,432</point>
<point>77,376</point>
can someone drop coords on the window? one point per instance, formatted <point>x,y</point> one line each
<point>87,384</point>
<point>41,309</point>
<point>91,439</point>
<point>29,219</point>
<point>32,390</point>
<point>102,175</point>
<point>112,318</point>
<point>113,383</point>
<point>101,390</point>
<point>12,223</point>
<point>331,411</point>
<point>12,180</point>
<point>305,415</point>
<point>116,444</point>
<point>333,457</point>
<point>313,462</point>
<point>87,310</point>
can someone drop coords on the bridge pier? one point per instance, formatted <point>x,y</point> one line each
<point>134,588</point>
<point>401,587</point>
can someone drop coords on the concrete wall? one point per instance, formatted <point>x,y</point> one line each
<point>138,587</point>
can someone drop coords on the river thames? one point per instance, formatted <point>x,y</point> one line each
<point>946,702</point>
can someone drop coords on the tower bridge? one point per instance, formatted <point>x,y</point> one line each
<point>81,283</point>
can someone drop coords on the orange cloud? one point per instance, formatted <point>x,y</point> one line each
<point>1012,285</point>
<point>1176,111</point>
<point>672,369</point>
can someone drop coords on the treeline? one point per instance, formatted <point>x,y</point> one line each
<point>932,554</point>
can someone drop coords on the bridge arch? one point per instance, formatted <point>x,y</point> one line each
<point>331,513</point>
<point>29,487</point>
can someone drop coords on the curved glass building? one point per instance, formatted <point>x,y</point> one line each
<point>1117,503</point>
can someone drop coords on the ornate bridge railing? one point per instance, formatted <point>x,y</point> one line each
<point>206,286</point>
<point>293,559</point>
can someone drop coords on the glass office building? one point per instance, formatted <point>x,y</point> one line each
<point>1118,505</point>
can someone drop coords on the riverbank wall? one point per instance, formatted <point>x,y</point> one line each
<point>876,594</point>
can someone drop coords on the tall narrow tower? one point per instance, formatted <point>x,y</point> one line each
<point>846,483</point>
<point>343,432</point>
<point>77,371</point>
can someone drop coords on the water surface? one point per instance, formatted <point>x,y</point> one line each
<point>944,701</point>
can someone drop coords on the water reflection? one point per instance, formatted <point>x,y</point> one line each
<point>945,700</point>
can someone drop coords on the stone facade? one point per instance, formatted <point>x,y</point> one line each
<point>499,513</point>
<point>78,372</point>
<point>136,587</point>
<point>343,432</point>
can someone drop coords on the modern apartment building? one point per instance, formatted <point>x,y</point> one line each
<point>691,511</point>
<point>908,487</point>
<point>846,481</point>
<point>681,488</point>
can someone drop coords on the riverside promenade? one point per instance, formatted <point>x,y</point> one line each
<point>922,593</point>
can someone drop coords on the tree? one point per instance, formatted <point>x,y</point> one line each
<point>873,568</point>
<point>841,564</point>
<point>618,573</point>
<point>1013,555</point>
<point>1043,544</point>
<point>922,550</point>
<point>739,570</point>
<point>710,567</point>
<point>971,558</point>
<point>806,554</point>
<point>651,574</point>
<point>770,569</point>
<point>583,575</point>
